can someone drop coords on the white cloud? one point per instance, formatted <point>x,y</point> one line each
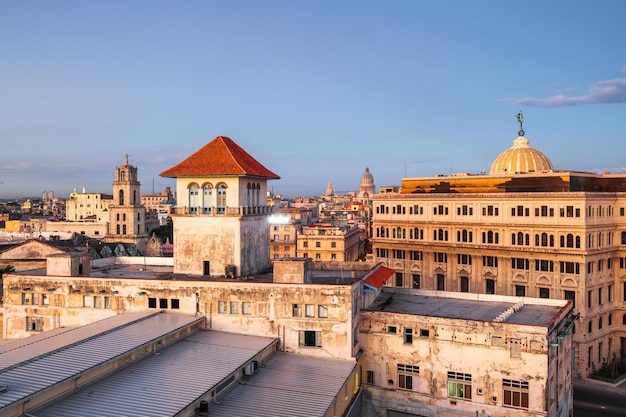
<point>618,170</point>
<point>609,91</point>
<point>18,166</point>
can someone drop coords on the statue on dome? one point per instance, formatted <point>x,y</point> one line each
<point>520,119</point>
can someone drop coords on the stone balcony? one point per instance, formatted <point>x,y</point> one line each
<point>223,211</point>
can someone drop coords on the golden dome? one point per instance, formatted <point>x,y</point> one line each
<point>521,158</point>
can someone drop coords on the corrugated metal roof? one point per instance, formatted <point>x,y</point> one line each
<point>29,348</point>
<point>166,383</point>
<point>29,378</point>
<point>288,385</point>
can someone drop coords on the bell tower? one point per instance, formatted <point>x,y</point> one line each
<point>127,216</point>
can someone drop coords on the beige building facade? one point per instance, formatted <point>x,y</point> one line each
<point>325,242</point>
<point>435,353</point>
<point>522,231</point>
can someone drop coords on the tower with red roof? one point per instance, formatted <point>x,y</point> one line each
<point>221,220</point>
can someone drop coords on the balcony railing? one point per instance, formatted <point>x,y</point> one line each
<point>223,211</point>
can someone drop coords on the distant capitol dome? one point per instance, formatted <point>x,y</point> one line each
<point>521,158</point>
<point>367,187</point>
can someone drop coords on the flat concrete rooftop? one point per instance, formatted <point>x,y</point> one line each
<point>466,306</point>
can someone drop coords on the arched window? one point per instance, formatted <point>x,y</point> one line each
<point>121,198</point>
<point>138,229</point>
<point>117,217</point>
<point>544,239</point>
<point>221,199</point>
<point>124,217</point>
<point>117,229</point>
<point>513,238</point>
<point>577,242</point>
<point>124,229</point>
<point>624,319</point>
<point>207,198</point>
<point>551,241</point>
<point>249,195</point>
<point>257,195</point>
<point>610,320</point>
<point>122,176</point>
<point>570,240</point>
<point>536,240</point>
<point>193,198</point>
<point>138,217</point>
<point>520,238</point>
<point>623,238</point>
<point>590,326</point>
<point>134,196</point>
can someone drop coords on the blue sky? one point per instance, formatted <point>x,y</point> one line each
<point>315,90</point>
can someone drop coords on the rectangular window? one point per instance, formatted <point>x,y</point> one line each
<point>544,292</point>
<point>460,385</point>
<point>234,307</point>
<point>97,302</point>
<point>322,311</point>
<point>417,281</point>
<point>392,329</point>
<point>309,338</point>
<point>490,286</point>
<point>441,282</point>
<point>408,335</point>
<point>108,302</point>
<point>369,377</point>
<point>424,333</point>
<point>318,244</point>
<point>333,244</point>
<point>87,301</point>
<point>295,310</point>
<point>514,393</point>
<point>163,302</point>
<point>26,298</point>
<point>45,300</point>
<point>405,376</point>
<point>175,303</point>
<point>309,310</point>
<point>464,284</point>
<point>222,307</point>
<point>34,324</point>
<point>246,308</point>
<point>520,290</point>
<point>399,279</point>
<point>152,302</point>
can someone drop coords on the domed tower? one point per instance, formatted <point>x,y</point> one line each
<point>367,187</point>
<point>520,158</point>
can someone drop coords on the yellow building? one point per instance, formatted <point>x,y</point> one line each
<point>325,242</point>
<point>88,207</point>
<point>523,230</point>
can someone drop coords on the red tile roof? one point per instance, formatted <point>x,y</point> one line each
<point>220,157</point>
<point>379,276</point>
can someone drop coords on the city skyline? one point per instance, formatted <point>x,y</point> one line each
<point>316,92</point>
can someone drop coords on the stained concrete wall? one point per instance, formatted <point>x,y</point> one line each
<point>273,310</point>
<point>482,349</point>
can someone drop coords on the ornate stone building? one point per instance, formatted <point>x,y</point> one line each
<point>524,230</point>
<point>127,216</point>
